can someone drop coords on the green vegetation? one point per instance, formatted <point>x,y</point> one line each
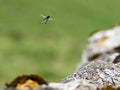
<point>52,50</point>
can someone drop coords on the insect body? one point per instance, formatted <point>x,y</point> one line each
<point>46,18</point>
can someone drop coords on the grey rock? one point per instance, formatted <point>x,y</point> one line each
<point>101,45</point>
<point>98,72</point>
<point>79,84</point>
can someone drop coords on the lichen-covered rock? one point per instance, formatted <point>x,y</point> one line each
<point>98,72</point>
<point>80,84</point>
<point>101,44</point>
<point>26,82</point>
<point>93,76</point>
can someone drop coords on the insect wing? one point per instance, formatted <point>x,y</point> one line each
<point>43,16</point>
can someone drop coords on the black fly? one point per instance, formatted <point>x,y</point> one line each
<point>46,18</point>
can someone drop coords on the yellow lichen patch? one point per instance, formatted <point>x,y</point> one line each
<point>29,83</point>
<point>102,40</point>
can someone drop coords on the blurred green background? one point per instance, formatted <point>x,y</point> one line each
<point>52,50</point>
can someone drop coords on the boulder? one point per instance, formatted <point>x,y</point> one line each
<point>102,45</point>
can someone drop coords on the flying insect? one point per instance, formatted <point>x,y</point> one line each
<point>46,18</point>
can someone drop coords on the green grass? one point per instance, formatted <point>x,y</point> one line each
<point>52,50</point>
